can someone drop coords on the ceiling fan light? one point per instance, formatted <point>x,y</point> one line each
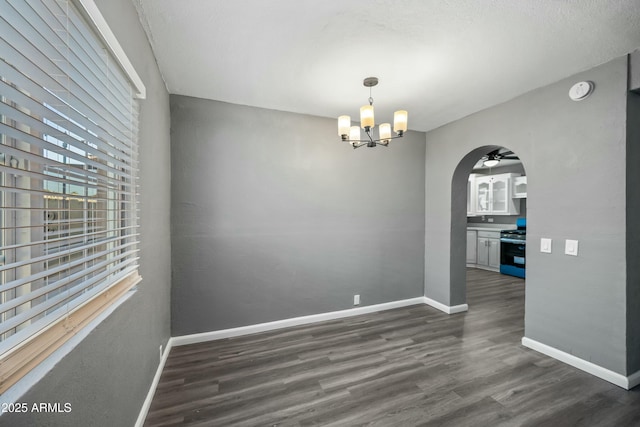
<point>491,162</point>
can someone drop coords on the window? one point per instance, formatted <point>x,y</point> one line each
<point>68,167</point>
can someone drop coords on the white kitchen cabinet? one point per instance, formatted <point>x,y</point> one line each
<point>472,240</point>
<point>520,187</point>
<point>482,190</point>
<point>494,195</point>
<point>471,195</point>
<point>488,250</point>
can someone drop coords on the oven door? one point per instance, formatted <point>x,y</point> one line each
<point>512,257</point>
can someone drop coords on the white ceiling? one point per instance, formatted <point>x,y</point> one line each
<point>439,59</point>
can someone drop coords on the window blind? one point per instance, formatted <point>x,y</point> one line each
<point>68,167</point>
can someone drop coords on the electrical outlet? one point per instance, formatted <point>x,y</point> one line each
<point>356,300</point>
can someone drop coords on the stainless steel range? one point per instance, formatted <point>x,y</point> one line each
<point>513,249</point>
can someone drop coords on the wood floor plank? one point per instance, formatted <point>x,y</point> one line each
<point>412,366</point>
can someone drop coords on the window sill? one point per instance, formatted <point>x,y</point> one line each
<point>24,366</point>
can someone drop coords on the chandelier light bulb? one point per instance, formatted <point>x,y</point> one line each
<point>400,121</point>
<point>385,132</point>
<point>354,133</point>
<point>344,125</point>
<point>366,117</point>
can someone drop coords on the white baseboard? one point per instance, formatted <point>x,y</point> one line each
<point>446,308</point>
<point>295,321</point>
<point>591,368</point>
<point>634,380</point>
<point>154,384</point>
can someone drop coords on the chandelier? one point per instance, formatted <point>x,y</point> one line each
<point>352,134</point>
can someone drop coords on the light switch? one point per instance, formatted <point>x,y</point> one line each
<point>545,245</point>
<point>571,247</point>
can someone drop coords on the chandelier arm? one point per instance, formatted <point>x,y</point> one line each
<point>396,137</point>
<point>379,141</point>
<point>356,143</point>
<point>368,144</point>
<point>359,144</point>
<point>389,139</point>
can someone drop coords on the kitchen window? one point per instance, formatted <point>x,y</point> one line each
<point>68,166</point>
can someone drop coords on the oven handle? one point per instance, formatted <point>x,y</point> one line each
<point>507,240</point>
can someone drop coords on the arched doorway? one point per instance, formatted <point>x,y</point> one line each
<point>460,211</point>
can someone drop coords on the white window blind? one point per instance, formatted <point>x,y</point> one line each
<point>68,165</point>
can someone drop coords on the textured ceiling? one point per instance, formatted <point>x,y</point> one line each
<point>439,59</point>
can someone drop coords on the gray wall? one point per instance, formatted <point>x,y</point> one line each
<point>107,376</point>
<point>633,207</point>
<point>633,230</point>
<point>574,155</point>
<point>634,70</point>
<point>274,217</point>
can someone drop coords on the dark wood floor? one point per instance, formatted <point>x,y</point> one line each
<point>412,366</point>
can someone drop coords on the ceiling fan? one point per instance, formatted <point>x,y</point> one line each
<point>493,158</point>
